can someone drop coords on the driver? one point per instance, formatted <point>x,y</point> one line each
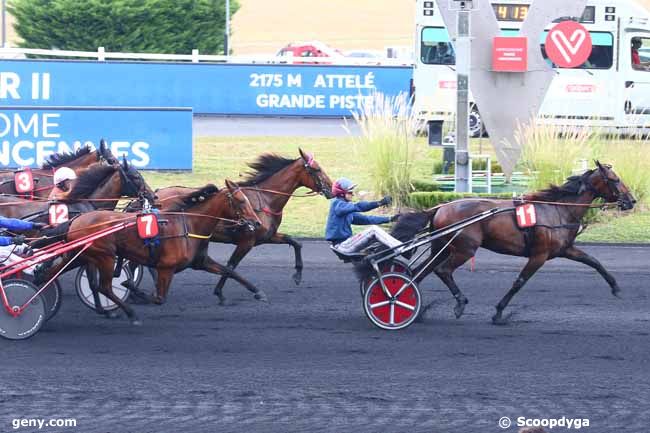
<point>343,213</point>
<point>12,247</point>
<point>63,181</point>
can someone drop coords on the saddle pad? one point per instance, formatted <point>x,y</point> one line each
<point>24,181</point>
<point>147,226</point>
<point>58,213</point>
<point>526,216</point>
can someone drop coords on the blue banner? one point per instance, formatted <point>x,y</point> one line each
<point>209,88</point>
<point>150,138</point>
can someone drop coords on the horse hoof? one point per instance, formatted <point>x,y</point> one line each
<point>261,296</point>
<point>498,320</point>
<point>616,292</point>
<point>158,300</point>
<point>111,315</point>
<point>297,278</point>
<point>136,322</point>
<point>139,298</point>
<point>459,309</point>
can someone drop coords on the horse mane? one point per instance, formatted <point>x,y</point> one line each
<point>59,159</point>
<point>89,179</point>
<point>194,198</point>
<point>571,187</point>
<point>265,166</point>
<point>409,224</point>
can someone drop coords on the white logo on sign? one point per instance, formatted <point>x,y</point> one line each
<point>573,45</point>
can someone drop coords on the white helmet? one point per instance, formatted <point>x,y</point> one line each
<point>62,174</point>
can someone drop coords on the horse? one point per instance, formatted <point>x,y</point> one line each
<point>42,178</point>
<point>559,211</point>
<point>97,187</point>
<point>182,242</point>
<point>269,187</point>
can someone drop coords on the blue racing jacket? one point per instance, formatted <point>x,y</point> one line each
<point>345,213</point>
<point>12,224</point>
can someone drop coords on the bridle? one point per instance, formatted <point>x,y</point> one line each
<point>239,216</point>
<point>314,174</point>
<point>612,186</point>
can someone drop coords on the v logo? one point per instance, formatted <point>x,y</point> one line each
<point>573,44</point>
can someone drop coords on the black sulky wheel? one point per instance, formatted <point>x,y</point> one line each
<point>396,265</point>
<point>28,321</point>
<point>86,294</point>
<point>398,307</point>
<point>52,296</point>
<point>138,273</point>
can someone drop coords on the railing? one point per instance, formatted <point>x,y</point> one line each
<point>102,55</point>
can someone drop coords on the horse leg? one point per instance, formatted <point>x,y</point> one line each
<point>106,287</point>
<point>136,295</point>
<point>164,280</point>
<point>93,283</point>
<point>445,271</point>
<point>240,252</point>
<point>279,238</point>
<point>534,263</point>
<point>215,268</point>
<point>580,256</point>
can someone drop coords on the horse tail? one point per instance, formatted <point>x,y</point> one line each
<point>407,227</point>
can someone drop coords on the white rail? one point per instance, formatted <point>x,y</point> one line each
<point>102,55</point>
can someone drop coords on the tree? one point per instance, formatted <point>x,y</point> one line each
<point>145,26</point>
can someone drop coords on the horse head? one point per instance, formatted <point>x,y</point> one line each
<point>243,212</point>
<point>314,177</point>
<point>605,183</point>
<point>133,184</point>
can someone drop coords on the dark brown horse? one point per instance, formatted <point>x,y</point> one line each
<point>269,187</point>
<point>182,243</point>
<point>42,178</point>
<point>559,211</point>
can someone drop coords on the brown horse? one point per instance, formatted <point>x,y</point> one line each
<point>559,211</point>
<point>182,243</point>
<point>106,183</point>
<point>269,187</point>
<point>42,178</point>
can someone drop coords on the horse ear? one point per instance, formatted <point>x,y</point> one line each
<point>102,145</point>
<point>598,164</point>
<point>125,163</point>
<point>303,155</point>
<point>230,185</point>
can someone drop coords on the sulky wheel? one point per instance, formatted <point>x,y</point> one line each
<point>396,309</point>
<point>138,273</point>
<point>26,322</point>
<point>86,294</point>
<point>52,296</point>
<point>396,265</point>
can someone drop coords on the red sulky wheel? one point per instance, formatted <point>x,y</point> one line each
<point>398,265</point>
<point>396,309</point>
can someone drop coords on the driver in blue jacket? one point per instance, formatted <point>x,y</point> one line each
<point>12,246</point>
<point>343,213</point>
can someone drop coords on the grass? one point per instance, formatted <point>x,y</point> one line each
<point>217,158</point>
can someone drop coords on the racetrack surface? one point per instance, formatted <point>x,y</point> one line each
<point>310,361</point>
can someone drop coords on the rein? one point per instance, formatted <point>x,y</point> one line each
<point>286,194</point>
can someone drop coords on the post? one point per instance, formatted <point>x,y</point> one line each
<point>463,61</point>
<point>4,23</point>
<point>226,39</point>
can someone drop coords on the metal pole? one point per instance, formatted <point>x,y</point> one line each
<point>4,24</point>
<point>462,99</point>
<point>226,39</point>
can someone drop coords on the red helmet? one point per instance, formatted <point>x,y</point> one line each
<point>342,187</point>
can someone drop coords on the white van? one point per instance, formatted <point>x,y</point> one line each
<point>611,90</point>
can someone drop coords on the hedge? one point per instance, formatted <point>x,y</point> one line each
<point>425,200</point>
